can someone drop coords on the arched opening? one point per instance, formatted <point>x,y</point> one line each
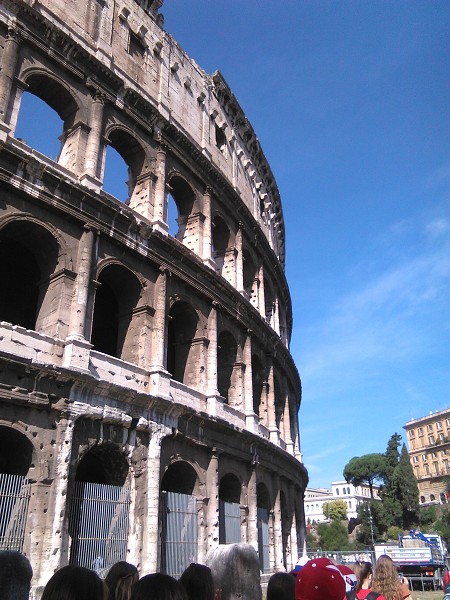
<point>220,242</point>
<point>184,199</point>
<point>122,145</point>
<point>33,113</point>
<point>269,299</point>
<point>179,528</point>
<point>229,510</point>
<point>99,513</point>
<point>44,105</point>
<point>16,454</point>
<point>249,269</point>
<point>279,402</point>
<point>257,382</point>
<point>115,300</point>
<point>28,258</point>
<point>183,321</point>
<point>263,507</point>
<point>226,359</point>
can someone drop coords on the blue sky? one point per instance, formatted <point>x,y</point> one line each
<point>348,99</point>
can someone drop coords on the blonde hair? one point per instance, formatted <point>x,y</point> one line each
<point>386,580</point>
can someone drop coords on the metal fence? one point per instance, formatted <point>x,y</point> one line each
<point>229,522</point>
<point>98,525</point>
<point>179,538</point>
<point>263,539</point>
<point>14,498</point>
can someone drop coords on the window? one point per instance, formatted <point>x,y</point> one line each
<point>439,425</point>
<point>343,491</point>
<point>424,457</point>
<point>436,468</point>
<point>431,440</point>
<point>136,45</point>
<point>348,490</point>
<point>412,433</point>
<point>426,469</point>
<point>415,459</point>
<point>429,427</point>
<point>441,437</point>
<point>420,430</point>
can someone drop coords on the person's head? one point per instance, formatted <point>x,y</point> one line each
<point>319,579</point>
<point>386,580</point>
<point>158,587</point>
<point>120,580</point>
<point>363,571</point>
<point>281,586</point>
<point>198,582</point>
<point>75,583</point>
<point>15,575</point>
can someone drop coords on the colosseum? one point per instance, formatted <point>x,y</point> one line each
<point>148,396</point>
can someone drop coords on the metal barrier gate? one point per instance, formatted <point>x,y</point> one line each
<point>14,498</point>
<point>98,525</point>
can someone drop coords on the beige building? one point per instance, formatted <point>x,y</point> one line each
<point>429,450</point>
<point>148,397</point>
<point>353,496</point>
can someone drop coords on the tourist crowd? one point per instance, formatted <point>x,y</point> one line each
<point>314,579</point>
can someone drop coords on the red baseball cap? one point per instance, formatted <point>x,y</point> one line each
<point>319,579</point>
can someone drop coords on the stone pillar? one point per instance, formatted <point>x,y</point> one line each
<point>212,392</point>
<point>295,554</point>
<point>159,220</point>
<point>252,499</point>
<point>56,542</point>
<point>91,163</point>
<point>207,229</point>
<point>239,261</point>
<point>159,321</point>
<point>149,562</point>
<point>271,418</point>
<point>277,531</point>
<point>9,62</point>
<point>251,421</point>
<point>212,491</point>
<point>261,297</point>
<point>76,348</point>
<point>287,427</point>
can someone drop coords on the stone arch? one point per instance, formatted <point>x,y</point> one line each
<point>181,350</point>
<point>269,298</point>
<point>103,463</point>
<point>258,378</point>
<point>185,200</point>
<point>17,452</point>
<point>222,239</point>
<point>230,489</point>
<point>115,321</point>
<point>135,157</point>
<point>250,274</point>
<point>180,477</point>
<point>226,358</point>
<point>30,257</point>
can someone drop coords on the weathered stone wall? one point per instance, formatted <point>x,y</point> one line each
<point>115,336</point>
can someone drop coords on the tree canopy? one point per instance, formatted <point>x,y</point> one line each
<point>369,469</point>
<point>336,510</point>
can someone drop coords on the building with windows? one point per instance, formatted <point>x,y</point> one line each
<point>353,496</point>
<point>429,450</point>
<point>148,397</point>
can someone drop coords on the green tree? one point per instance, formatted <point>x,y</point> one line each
<point>333,536</point>
<point>388,492</point>
<point>372,522</point>
<point>369,469</point>
<point>427,516</point>
<point>442,525</point>
<point>336,510</point>
<point>407,490</point>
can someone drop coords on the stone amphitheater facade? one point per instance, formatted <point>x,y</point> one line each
<point>139,370</point>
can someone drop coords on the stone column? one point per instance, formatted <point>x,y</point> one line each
<point>271,418</point>
<point>252,499</point>
<point>159,321</point>
<point>9,62</point>
<point>287,427</point>
<point>207,229</point>
<point>56,542</point>
<point>261,297</point>
<point>212,392</point>
<point>295,554</point>
<point>159,220</point>
<point>149,563</point>
<point>212,491</point>
<point>91,162</point>
<point>251,421</point>
<point>277,531</point>
<point>76,347</point>
<point>239,261</point>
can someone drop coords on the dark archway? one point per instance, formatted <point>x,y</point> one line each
<point>229,509</point>
<point>226,358</point>
<point>183,321</point>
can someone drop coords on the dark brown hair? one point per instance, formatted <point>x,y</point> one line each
<point>74,583</point>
